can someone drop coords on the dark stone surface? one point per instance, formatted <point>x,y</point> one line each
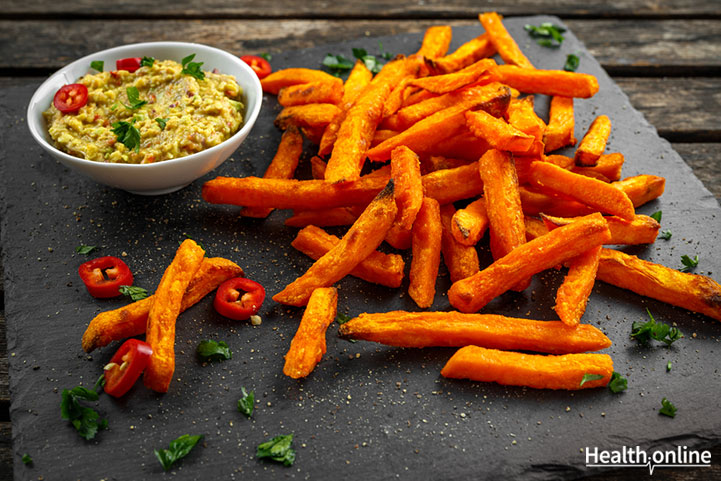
<point>367,411</point>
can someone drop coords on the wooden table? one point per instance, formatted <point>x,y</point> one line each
<point>665,54</point>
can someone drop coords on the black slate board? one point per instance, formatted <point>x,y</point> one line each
<point>368,411</point>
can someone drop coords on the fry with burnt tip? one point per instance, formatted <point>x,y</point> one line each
<point>461,260</point>
<point>608,165</point>
<point>435,42</point>
<point>498,133</point>
<point>378,268</point>
<point>559,132</point>
<point>441,84</point>
<point>586,190</point>
<point>282,166</point>
<point>308,344</point>
<point>361,239</point>
<point>406,174</point>
<point>468,53</point>
<point>521,115</point>
<point>594,142</point>
<point>456,329</point>
<point>312,93</point>
<point>470,223</point>
<point>547,82</point>
<point>132,320</point>
<point>531,370</point>
<point>641,230</point>
<point>334,216</point>
<point>293,76</point>
<point>310,115</point>
<point>506,47</point>
<point>426,253</point>
<point>167,302</point>
<point>694,292</point>
<point>642,188</point>
<point>544,252</point>
<point>572,295</point>
<point>536,203</point>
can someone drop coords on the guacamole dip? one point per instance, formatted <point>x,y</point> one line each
<point>153,114</point>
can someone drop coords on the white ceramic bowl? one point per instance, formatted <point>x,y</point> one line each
<point>168,175</point>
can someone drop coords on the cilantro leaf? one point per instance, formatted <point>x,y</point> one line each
<point>134,102</point>
<point>266,56</point>
<point>127,134</point>
<point>643,332</point>
<point>85,420</point>
<point>26,459</point>
<point>134,292</point>
<point>668,366</point>
<point>97,65</point>
<point>178,449</point>
<point>657,215</point>
<point>210,350</point>
<point>147,62</point>
<point>192,68</point>
<point>342,318</point>
<point>546,34</point>
<point>246,404</point>
<point>277,449</point>
<point>617,383</point>
<point>161,122</point>
<point>83,249</point>
<point>590,377</point>
<point>666,235</point>
<point>370,61</point>
<point>688,263</point>
<point>337,64</point>
<point>572,62</point>
<point>667,408</point>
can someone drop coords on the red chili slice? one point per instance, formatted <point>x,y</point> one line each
<point>260,66</point>
<point>126,366</point>
<point>230,303</point>
<point>104,276</point>
<point>130,64</point>
<point>69,98</point>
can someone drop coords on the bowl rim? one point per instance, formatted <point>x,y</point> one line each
<point>248,120</point>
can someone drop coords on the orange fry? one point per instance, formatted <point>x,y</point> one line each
<point>325,217</point>
<point>469,224</point>
<point>311,93</point>
<point>535,203</point>
<point>468,53</point>
<point>505,45</point>
<point>441,84</point>
<point>160,330</point>
<point>547,82</point>
<point>521,115</point>
<point>641,230</point>
<point>293,76</point>
<point>438,162</point>
<point>317,167</point>
<point>308,344</point>
<point>534,228</point>
<point>396,97</point>
<point>435,42</point>
<point>309,115</point>
<point>450,185</point>
<point>608,165</point>
<point>561,124</point>
<point>594,142</point>
<point>461,260</point>
<point>426,244</point>
<point>464,146</point>
<point>498,133</point>
<point>406,174</point>
<point>572,296</point>
<point>642,188</point>
<point>361,239</point>
<point>532,370</point>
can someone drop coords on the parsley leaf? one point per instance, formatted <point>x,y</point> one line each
<point>643,332</point>
<point>192,68</point>
<point>657,215</point>
<point>147,62</point>
<point>84,419</point>
<point>97,65</point>
<point>85,250</point>
<point>178,449</point>
<point>277,449</point>
<point>667,408</point>
<point>247,402</point>
<point>127,134</point>
<point>617,383</point>
<point>266,56</point>
<point>546,34</point>
<point>370,61</point>
<point>342,318</point>
<point>337,64</point>
<point>666,235</point>
<point>688,263</point>
<point>134,99</point>
<point>210,350</point>
<point>161,122</point>
<point>572,62</point>
<point>26,459</point>
<point>590,377</point>
<point>134,292</point>
<point>668,366</point>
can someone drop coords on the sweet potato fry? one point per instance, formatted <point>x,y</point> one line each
<point>396,97</point>
<point>642,188</point>
<point>532,370</point>
<point>308,344</point>
<point>426,244</point>
<point>293,76</point>
<point>455,329</point>
<point>547,82</point>
<point>503,42</point>
<point>312,93</point>
<point>382,135</point>
<point>441,84</point>
<point>418,96</point>
<point>435,42</point>
<point>594,142</point>
<point>559,132</point>
<point>160,330</point>
<point>310,115</point>
<point>361,239</point>
<point>691,291</point>
<point>608,165</point>
<point>561,161</point>
<point>534,228</point>
<point>334,216</point>
<point>549,250</point>
<point>468,53</point>
<point>132,320</point>
<point>469,224</point>
<point>437,162</point>
<point>317,168</point>
<point>461,260</point>
<point>450,185</point>
<point>535,203</point>
<point>406,173</point>
<point>498,133</point>
<point>521,115</point>
<point>641,230</point>
<point>464,146</point>
<point>378,268</point>
<point>599,195</point>
<point>572,296</point>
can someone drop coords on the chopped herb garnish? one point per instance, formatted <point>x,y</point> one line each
<point>84,419</point>
<point>247,402</point>
<point>127,134</point>
<point>342,318</point>
<point>667,408</point>
<point>178,449</point>
<point>657,215</point>
<point>666,235</point>
<point>97,65</point>
<point>85,250</point>
<point>546,34</point>
<point>277,449</point>
<point>572,62</point>
<point>590,377</point>
<point>337,64</point>
<point>266,56</point>
<point>26,459</point>
<point>210,350</point>
<point>617,383</point>
<point>192,68</point>
<point>668,366</point>
<point>134,292</point>
<point>100,383</point>
<point>147,62</point>
<point>161,122</point>
<point>134,102</point>
<point>688,263</point>
<point>643,332</point>
<point>370,61</point>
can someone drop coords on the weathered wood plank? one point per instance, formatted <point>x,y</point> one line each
<point>371,9</point>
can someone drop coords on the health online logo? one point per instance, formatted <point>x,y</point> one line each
<point>635,457</point>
